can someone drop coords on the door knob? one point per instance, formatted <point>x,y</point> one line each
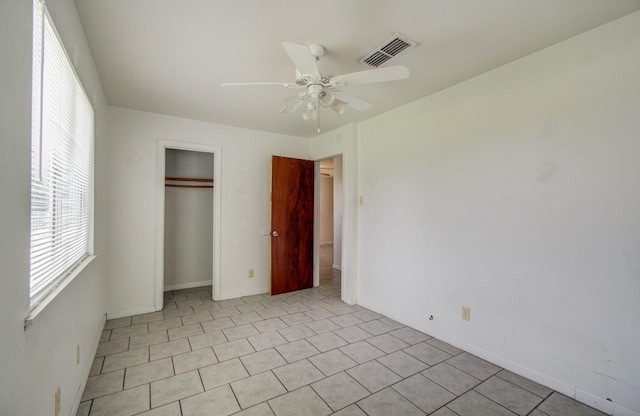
<point>275,233</point>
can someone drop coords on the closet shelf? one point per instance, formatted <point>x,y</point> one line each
<point>171,185</point>
<point>180,179</point>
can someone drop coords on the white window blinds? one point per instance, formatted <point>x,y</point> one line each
<point>61,165</point>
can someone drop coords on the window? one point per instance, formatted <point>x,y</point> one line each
<point>61,164</point>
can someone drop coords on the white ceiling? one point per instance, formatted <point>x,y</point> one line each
<point>170,57</point>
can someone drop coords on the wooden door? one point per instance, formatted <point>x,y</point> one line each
<point>292,185</point>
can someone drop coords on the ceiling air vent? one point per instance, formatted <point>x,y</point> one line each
<point>387,50</point>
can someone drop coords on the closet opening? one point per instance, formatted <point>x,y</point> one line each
<point>188,219</point>
<point>187,243</point>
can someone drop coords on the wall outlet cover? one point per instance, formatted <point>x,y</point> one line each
<point>466,313</point>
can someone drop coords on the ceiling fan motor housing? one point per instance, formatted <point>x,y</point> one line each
<point>314,90</point>
<point>324,96</point>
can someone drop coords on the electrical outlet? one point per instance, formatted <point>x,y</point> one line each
<point>250,273</point>
<point>466,313</point>
<point>56,410</point>
<point>77,354</point>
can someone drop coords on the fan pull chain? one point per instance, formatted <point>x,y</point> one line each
<point>318,117</point>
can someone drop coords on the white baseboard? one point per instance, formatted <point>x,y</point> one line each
<point>188,285</point>
<point>131,312</point>
<point>603,405</point>
<point>233,295</point>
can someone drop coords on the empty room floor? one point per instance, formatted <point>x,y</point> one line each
<point>300,353</point>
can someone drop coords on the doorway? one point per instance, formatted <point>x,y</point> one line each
<point>330,224</point>
<point>187,167</point>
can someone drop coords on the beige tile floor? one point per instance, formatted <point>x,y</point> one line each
<point>301,353</point>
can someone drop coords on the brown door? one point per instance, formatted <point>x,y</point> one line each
<point>291,224</point>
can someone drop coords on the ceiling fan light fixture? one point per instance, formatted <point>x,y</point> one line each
<point>311,112</point>
<point>338,107</point>
<point>326,98</point>
<point>291,104</point>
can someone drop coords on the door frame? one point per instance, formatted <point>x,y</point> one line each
<point>162,146</point>
<point>348,287</point>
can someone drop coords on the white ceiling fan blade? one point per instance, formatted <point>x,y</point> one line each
<point>259,84</point>
<point>371,76</point>
<point>353,101</point>
<point>302,58</point>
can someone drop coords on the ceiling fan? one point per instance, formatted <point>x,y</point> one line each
<point>321,90</point>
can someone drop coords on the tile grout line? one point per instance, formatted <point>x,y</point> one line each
<point>489,398</point>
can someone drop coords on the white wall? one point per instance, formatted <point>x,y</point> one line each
<point>326,210</point>
<point>245,187</point>
<point>188,215</point>
<point>35,361</point>
<point>338,207</point>
<point>517,193</point>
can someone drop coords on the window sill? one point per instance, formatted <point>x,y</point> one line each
<point>41,306</point>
